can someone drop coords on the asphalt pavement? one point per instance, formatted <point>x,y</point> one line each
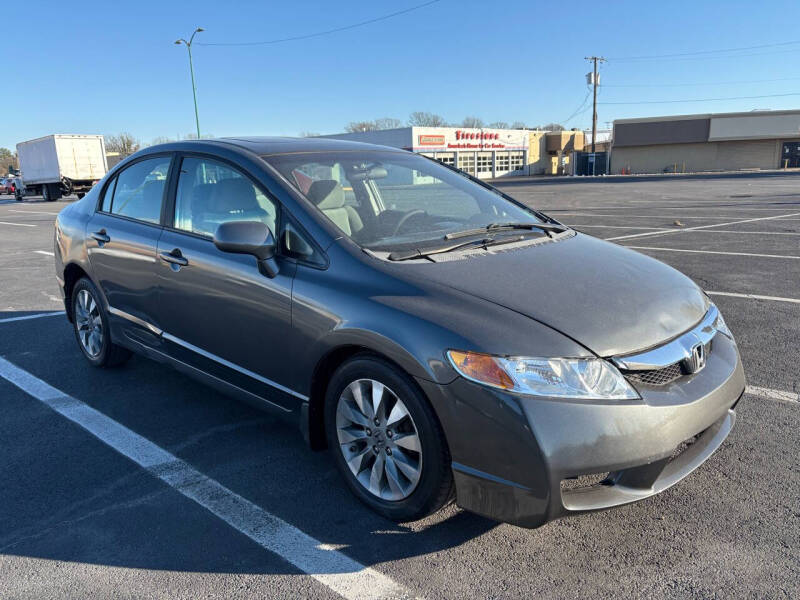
<point>80,519</point>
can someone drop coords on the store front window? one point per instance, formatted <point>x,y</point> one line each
<point>484,162</point>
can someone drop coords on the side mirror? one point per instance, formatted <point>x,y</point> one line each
<point>249,237</point>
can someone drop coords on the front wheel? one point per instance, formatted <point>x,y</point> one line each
<point>90,323</point>
<point>386,440</point>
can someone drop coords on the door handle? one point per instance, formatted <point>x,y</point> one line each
<point>175,257</point>
<point>101,237</point>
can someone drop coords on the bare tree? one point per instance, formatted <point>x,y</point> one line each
<point>499,125</point>
<point>8,160</point>
<point>124,143</point>
<point>473,122</point>
<point>354,126</point>
<point>551,127</point>
<point>162,139</point>
<point>426,119</point>
<point>388,123</point>
<point>520,125</point>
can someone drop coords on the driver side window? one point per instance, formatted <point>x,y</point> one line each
<point>211,193</point>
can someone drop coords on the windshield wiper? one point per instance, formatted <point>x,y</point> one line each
<point>480,243</point>
<point>548,227</point>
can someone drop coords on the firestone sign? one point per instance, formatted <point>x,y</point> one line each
<point>450,138</point>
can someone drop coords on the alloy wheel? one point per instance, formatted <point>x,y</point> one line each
<point>89,323</point>
<point>379,440</point>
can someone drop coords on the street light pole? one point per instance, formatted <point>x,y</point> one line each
<point>191,71</point>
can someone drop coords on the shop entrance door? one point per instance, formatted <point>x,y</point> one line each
<point>790,158</point>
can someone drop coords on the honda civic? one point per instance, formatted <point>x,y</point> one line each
<point>444,341</point>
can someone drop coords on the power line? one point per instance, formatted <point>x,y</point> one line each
<point>327,31</point>
<point>578,110</point>
<point>718,57</point>
<point>700,84</point>
<point>702,52</point>
<point>705,99</point>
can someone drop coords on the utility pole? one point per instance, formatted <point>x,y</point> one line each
<point>595,60</point>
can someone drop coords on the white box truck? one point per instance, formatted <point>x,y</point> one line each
<point>60,165</point>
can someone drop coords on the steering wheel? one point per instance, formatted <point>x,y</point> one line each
<point>406,217</point>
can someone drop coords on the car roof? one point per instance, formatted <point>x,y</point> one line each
<point>279,145</point>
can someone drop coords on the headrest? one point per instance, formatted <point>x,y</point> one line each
<point>326,194</point>
<point>233,195</point>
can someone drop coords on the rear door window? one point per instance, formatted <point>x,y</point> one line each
<point>139,190</point>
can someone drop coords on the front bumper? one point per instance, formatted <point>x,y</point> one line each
<point>511,453</point>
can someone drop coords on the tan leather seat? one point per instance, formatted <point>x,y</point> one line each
<point>329,197</point>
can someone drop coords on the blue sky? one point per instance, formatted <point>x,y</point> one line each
<point>106,67</point>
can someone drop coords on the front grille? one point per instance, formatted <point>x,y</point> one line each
<point>661,376</point>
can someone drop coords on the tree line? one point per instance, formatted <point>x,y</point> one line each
<point>126,143</point>
<point>427,119</point>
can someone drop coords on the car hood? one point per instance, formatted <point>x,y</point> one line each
<point>610,299</point>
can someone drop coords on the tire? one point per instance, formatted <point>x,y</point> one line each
<point>51,192</point>
<point>402,498</point>
<point>90,324</point>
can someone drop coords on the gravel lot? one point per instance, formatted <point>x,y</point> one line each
<point>80,520</point>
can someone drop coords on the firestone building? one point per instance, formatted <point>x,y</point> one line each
<point>486,153</point>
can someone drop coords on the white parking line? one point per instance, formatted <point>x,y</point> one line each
<point>651,233</point>
<point>625,216</point>
<point>621,227</point>
<point>713,252</point>
<point>17,224</point>
<point>754,297</point>
<point>32,212</point>
<point>342,574</point>
<point>772,394</point>
<point>45,252</point>
<point>722,207</point>
<point>36,316</point>
<point>744,232</point>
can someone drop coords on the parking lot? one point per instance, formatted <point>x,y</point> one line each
<point>84,516</point>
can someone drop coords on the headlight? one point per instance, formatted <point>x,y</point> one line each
<point>582,378</point>
<point>721,326</point>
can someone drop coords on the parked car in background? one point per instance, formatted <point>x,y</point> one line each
<point>6,185</point>
<point>440,338</point>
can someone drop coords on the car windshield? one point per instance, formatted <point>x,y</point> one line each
<point>389,201</point>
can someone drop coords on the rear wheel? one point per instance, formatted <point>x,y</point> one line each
<point>90,323</point>
<point>386,440</point>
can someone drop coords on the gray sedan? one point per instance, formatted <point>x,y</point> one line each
<point>442,340</point>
